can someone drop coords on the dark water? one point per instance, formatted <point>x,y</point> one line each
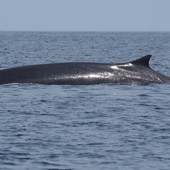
<point>99,127</point>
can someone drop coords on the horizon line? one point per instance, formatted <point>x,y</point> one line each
<point>85,31</point>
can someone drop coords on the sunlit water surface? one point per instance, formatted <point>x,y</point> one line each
<point>96,127</point>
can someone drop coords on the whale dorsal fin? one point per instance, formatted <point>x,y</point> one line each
<point>144,61</point>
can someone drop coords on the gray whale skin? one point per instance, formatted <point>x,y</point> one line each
<point>82,73</point>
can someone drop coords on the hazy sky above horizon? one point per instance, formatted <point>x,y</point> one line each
<point>85,15</point>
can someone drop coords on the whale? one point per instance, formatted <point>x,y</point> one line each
<point>135,72</point>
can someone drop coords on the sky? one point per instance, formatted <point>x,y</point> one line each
<point>85,15</point>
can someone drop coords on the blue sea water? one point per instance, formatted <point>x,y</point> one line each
<point>95,127</point>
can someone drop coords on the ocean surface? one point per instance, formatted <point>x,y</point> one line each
<point>94,127</point>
